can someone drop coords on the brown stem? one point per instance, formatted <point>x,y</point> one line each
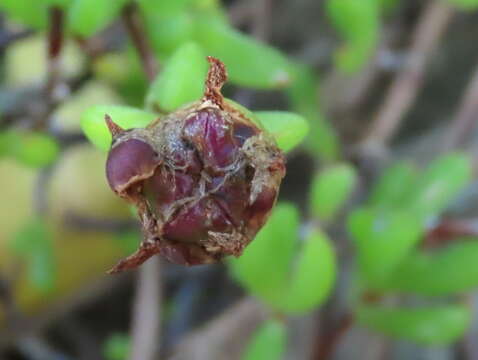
<point>55,44</point>
<point>136,32</point>
<point>448,230</point>
<point>146,318</point>
<point>402,93</point>
<point>223,337</point>
<point>328,344</point>
<point>466,117</point>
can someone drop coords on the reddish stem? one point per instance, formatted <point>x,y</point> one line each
<point>328,343</point>
<point>136,32</point>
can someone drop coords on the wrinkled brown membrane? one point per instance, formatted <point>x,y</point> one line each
<point>176,177</point>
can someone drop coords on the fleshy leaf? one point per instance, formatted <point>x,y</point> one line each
<point>427,325</point>
<point>33,149</point>
<point>94,126</point>
<point>289,129</point>
<point>166,33</point>
<point>30,13</point>
<point>437,186</point>
<point>117,347</point>
<point>268,342</point>
<point>33,244</point>
<point>465,4</point>
<point>450,270</point>
<point>358,23</point>
<point>86,17</point>
<point>330,189</point>
<point>164,7</point>
<point>264,266</point>
<point>393,185</point>
<point>249,63</point>
<point>181,81</point>
<point>383,240</point>
<point>314,275</point>
<point>303,94</point>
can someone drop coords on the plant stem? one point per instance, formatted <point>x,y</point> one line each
<point>136,33</point>
<point>403,91</point>
<point>328,344</point>
<point>55,44</point>
<point>146,319</point>
<point>466,117</point>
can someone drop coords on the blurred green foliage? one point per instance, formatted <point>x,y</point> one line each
<point>33,244</point>
<point>116,347</point>
<point>268,342</point>
<point>330,189</point>
<point>33,149</point>
<point>427,325</point>
<point>386,233</point>
<point>291,265</point>
<point>181,81</point>
<point>287,279</point>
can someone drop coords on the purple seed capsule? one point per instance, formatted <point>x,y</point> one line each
<point>204,179</point>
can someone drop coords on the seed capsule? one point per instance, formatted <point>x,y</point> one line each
<point>204,178</point>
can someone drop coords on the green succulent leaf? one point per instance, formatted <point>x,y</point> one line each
<point>60,3</point>
<point>303,94</point>
<point>86,17</point>
<point>264,266</point>
<point>358,22</point>
<point>289,129</point>
<point>330,189</point>
<point>29,13</point>
<point>165,7</point>
<point>33,244</point>
<point>427,325</point>
<point>94,126</point>
<point>249,62</point>
<point>449,270</point>
<point>313,278</point>
<point>268,342</point>
<point>117,347</point>
<point>181,81</point>
<point>383,239</point>
<point>33,149</point>
<point>393,185</point>
<point>167,33</point>
<point>438,185</point>
<point>464,4</point>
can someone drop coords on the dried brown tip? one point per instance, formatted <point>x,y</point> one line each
<point>145,251</point>
<point>216,77</point>
<point>114,128</point>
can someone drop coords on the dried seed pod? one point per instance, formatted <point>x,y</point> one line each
<point>204,178</point>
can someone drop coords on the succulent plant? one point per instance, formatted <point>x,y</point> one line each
<point>203,178</point>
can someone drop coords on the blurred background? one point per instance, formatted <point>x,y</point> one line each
<point>372,250</point>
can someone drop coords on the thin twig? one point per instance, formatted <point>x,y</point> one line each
<point>408,81</point>
<point>466,117</point>
<point>223,337</point>
<point>55,45</point>
<point>449,230</point>
<point>136,32</point>
<point>84,223</point>
<point>328,344</point>
<point>146,321</point>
